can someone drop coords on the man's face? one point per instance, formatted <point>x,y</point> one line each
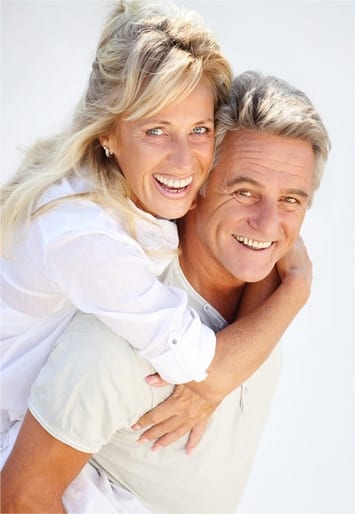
<point>255,202</point>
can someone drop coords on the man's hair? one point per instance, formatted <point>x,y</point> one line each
<point>268,104</point>
<point>150,54</point>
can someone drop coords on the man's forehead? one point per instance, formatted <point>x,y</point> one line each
<point>254,141</point>
<point>248,153</point>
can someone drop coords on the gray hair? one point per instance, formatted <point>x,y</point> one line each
<point>269,104</point>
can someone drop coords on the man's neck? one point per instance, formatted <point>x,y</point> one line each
<point>206,275</point>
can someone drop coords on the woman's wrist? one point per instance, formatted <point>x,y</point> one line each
<point>299,286</point>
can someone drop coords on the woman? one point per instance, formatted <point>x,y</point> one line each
<point>86,218</point>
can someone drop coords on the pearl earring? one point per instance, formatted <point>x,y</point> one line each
<point>108,152</point>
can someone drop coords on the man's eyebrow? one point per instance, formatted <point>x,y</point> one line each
<point>297,192</point>
<point>237,181</point>
<point>243,180</point>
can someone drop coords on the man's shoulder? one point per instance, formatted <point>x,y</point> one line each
<point>91,374</point>
<point>99,347</point>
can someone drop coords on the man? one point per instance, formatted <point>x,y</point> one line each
<point>87,397</point>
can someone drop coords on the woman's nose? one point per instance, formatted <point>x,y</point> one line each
<point>181,155</point>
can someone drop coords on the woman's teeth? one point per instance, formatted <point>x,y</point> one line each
<point>173,183</point>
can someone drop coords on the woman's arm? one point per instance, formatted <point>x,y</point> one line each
<point>38,471</point>
<point>266,311</point>
<point>255,294</point>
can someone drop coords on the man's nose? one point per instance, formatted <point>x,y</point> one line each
<point>181,155</point>
<point>265,219</point>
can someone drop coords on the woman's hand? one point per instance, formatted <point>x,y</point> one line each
<point>296,266</point>
<point>296,261</point>
<point>184,411</point>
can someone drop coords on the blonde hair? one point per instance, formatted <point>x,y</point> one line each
<point>268,104</point>
<point>149,55</point>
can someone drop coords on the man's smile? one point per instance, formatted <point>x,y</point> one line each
<point>252,243</point>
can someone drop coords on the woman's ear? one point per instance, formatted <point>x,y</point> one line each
<point>104,140</point>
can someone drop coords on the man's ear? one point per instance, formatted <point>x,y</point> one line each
<point>193,205</point>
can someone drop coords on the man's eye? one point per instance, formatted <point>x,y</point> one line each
<point>243,195</point>
<point>291,200</point>
<point>156,131</point>
<point>243,192</point>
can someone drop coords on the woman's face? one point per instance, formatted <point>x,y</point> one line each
<point>165,158</point>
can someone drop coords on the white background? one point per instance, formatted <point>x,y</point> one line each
<point>306,462</point>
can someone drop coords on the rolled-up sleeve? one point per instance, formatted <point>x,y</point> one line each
<point>111,277</point>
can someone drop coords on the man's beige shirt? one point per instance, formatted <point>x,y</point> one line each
<point>92,390</point>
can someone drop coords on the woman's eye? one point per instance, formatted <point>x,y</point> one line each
<point>156,131</point>
<point>200,130</point>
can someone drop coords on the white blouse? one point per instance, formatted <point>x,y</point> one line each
<point>75,256</point>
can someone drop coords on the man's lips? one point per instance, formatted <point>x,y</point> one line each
<point>252,243</point>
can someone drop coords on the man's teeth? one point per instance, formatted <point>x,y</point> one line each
<point>173,182</point>
<point>251,243</point>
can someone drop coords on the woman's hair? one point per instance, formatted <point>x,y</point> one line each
<point>150,54</point>
<point>265,103</point>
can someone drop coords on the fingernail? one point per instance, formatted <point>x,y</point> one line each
<point>142,440</point>
<point>136,426</point>
<point>156,447</point>
<point>152,380</point>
